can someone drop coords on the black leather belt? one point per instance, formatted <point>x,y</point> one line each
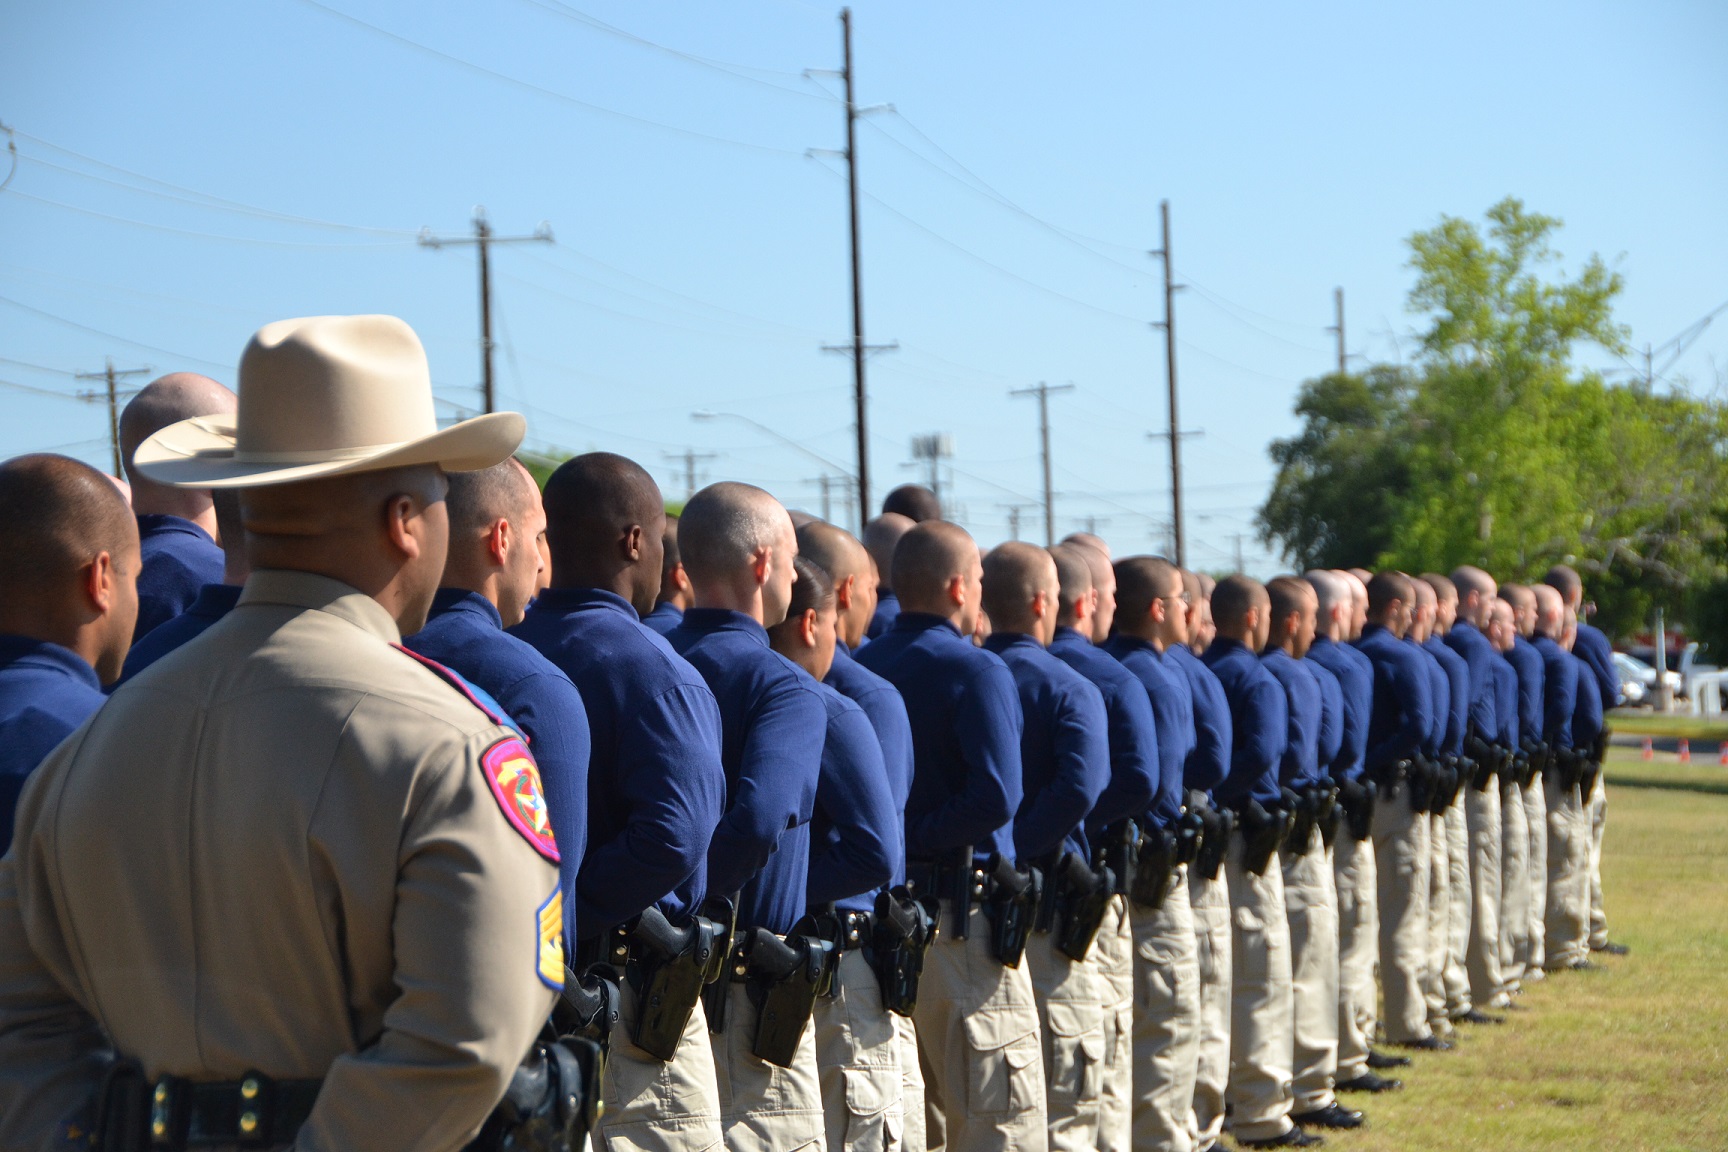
<point>856,930</point>
<point>252,1112</point>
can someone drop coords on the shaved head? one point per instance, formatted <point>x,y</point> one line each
<point>1384,590</point>
<point>927,563</point>
<point>723,525</point>
<point>1444,590</point>
<point>881,537</point>
<point>1143,580</point>
<point>168,400</point>
<point>833,549</point>
<point>913,501</point>
<point>1550,611</point>
<point>479,499</point>
<point>1097,558</point>
<point>496,523</point>
<point>1015,575</point>
<point>1089,540</point>
<point>605,527</point>
<point>1233,600</point>
<point>1074,580</point>
<point>1564,579</point>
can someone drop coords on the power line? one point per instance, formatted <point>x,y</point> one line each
<point>483,241</point>
<point>1042,392</point>
<point>111,376</point>
<point>550,93</point>
<point>112,336</point>
<point>195,232</point>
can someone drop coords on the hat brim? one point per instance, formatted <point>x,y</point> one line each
<point>200,453</point>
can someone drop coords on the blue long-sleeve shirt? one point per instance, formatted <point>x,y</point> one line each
<point>664,617</point>
<point>1527,662</point>
<point>1593,648</point>
<point>1505,702</point>
<point>1171,698</point>
<point>1457,676</point>
<point>46,692</point>
<point>855,829</point>
<point>1299,766</point>
<point>177,558</point>
<point>1587,712</point>
<point>1209,762</point>
<point>1259,724</point>
<point>1559,692</point>
<point>887,611</point>
<point>214,602</point>
<point>965,715</point>
<point>772,724</point>
<point>1467,640</point>
<point>656,787</point>
<point>1132,730</point>
<point>1330,742</point>
<point>887,713</point>
<point>1355,675</point>
<point>464,633</point>
<point>1064,752</point>
<point>1401,716</point>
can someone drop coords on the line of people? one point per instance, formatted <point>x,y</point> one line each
<point>830,842</point>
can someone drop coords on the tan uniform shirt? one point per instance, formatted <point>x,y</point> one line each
<point>279,849</point>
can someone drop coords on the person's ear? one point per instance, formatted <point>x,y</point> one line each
<point>630,544</point>
<point>843,592</point>
<point>400,520</point>
<point>100,579</point>
<point>1156,610</point>
<point>498,541</point>
<point>807,628</point>
<point>762,564</point>
<point>957,591</point>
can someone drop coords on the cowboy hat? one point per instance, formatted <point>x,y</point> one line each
<point>326,396</point>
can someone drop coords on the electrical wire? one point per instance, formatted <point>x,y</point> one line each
<point>38,367</point>
<point>37,391</point>
<point>112,336</point>
<point>205,235</point>
<point>550,93</point>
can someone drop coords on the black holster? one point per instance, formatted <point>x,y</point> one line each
<point>1356,801</point>
<point>1423,778</point>
<point>672,965</point>
<point>1453,773</point>
<point>1220,824</point>
<point>1263,831</point>
<point>1191,828</point>
<point>783,979</point>
<point>1157,864</point>
<point>1080,898</point>
<point>1116,853</point>
<point>1588,775</point>
<point>1011,902</point>
<point>905,929</point>
<point>553,1101</point>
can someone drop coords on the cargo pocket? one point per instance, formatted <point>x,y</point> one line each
<point>1076,1046</point>
<point>1003,1078</point>
<point>872,1123</point>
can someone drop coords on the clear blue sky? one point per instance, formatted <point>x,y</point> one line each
<point>701,255</point>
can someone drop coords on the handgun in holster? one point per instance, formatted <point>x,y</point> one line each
<point>552,1103</point>
<point>1011,902</point>
<point>783,979</point>
<point>1262,831</point>
<point>1458,770</point>
<point>905,929</point>
<point>1599,750</point>
<point>674,965</point>
<point>1299,819</point>
<point>1537,752</point>
<point>1480,757</point>
<point>1214,841</point>
<point>964,889</point>
<point>1326,809</point>
<point>1564,764</point>
<point>1424,780</point>
<point>1085,897</point>
<point>1157,864</point>
<point>1356,799</point>
<point>1587,777</point>
<point>1191,827</point>
<point>1116,852</point>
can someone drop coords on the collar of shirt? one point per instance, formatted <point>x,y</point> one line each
<point>215,601</point>
<point>28,652</point>
<point>1124,644</point>
<point>1225,647</point>
<point>924,622</point>
<point>1372,630</point>
<point>1000,642</point>
<point>1069,635</point>
<point>710,620</point>
<point>322,594</point>
<point>467,603</point>
<point>161,524</point>
<point>569,599</point>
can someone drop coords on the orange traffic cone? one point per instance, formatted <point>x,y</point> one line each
<point>1685,751</point>
<point>1722,753</point>
<point>1649,748</point>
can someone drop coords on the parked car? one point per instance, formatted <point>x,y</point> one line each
<point>1638,679</point>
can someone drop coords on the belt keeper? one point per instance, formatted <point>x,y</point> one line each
<point>169,1115</point>
<point>257,1110</point>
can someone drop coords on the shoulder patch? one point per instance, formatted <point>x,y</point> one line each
<point>515,782</point>
<point>549,936</point>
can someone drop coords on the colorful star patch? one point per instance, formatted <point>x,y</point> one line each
<point>515,782</point>
<point>550,931</point>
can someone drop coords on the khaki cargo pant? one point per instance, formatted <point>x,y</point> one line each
<point>912,1137</point>
<point>1166,1020</point>
<point>1536,864</point>
<point>764,1107</point>
<point>1514,888</point>
<point>1260,1005</point>
<point>1353,873</point>
<point>1113,953</point>
<point>1567,927</point>
<point>1403,866</point>
<point>979,1039</point>
<point>1439,925</point>
<point>1482,946</point>
<point>1070,999</point>
<point>655,1105</point>
<point>1459,901</point>
<point>1598,816</point>
<point>858,1062</point>
<point>1209,903</point>
<point>1311,909</point>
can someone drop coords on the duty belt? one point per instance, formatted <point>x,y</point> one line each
<point>173,1113</point>
<point>856,929</point>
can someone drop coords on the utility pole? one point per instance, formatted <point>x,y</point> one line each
<point>483,241</point>
<point>858,349</point>
<point>111,376</point>
<point>1014,511</point>
<point>689,458</point>
<point>1236,537</point>
<point>1338,327</point>
<point>1042,391</point>
<point>1169,326</point>
<point>932,450</point>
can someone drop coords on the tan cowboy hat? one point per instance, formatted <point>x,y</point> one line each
<point>324,396</point>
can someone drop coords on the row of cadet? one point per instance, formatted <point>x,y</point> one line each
<point>876,844</point>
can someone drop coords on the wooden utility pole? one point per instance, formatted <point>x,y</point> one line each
<point>1175,436</point>
<point>483,241</point>
<point>1338,327</point>
<point>689,458</point>
<point>111,377</point>
<point>1042,392</point>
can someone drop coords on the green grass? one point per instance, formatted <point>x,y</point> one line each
<point>1634,1057</point>
<point>1635,722</point>
<point>1627,768</point>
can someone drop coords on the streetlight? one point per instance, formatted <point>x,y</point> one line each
<point>705,414</point>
